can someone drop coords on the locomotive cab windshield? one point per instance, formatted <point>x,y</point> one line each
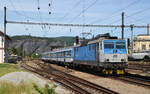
<point>120,45</point>
<point>114,47</point>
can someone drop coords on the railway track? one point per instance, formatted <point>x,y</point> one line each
<point>66,84</point>
<point>78,85</point>
<point>144,68</point>
<point>134,79</point>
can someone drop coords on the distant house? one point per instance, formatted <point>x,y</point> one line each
<point>3,54</point>
<point>142,42</point>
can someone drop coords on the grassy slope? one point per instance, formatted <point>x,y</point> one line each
<point>9,88</point>
<point>7,68</point>
<point>22,88</point>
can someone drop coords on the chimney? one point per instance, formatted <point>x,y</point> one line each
<point>148,29</point>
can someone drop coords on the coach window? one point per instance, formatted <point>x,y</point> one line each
<point>55,54</point>
<point>62,54</point>
<point>59,54</point>
<point>68,53</point>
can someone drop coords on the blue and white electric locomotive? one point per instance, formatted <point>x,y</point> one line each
<point>107,55</point>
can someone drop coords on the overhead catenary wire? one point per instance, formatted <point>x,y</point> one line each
<point>83,14</point>
<point>133,14</point>
<point>138,12</point>
<point>137,20</point>
<point>71,9</point>
<point>113,14</point>
<point>84,10</point>
<point>19,13</point>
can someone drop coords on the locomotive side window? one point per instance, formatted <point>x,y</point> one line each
<point>90,47</point>
<point>77,49</point>
<point>120,45</point>
<point>94,46</point>
<point>108,45</point>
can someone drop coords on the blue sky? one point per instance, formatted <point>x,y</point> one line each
<point>70,11</point>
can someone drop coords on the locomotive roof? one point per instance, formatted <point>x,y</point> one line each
<point>100,39</point>
<point>60,49</point>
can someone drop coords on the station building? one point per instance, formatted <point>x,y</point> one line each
<point>142,42</point>
<point>4,52</point>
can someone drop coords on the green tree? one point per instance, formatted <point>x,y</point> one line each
<point>35,56</point>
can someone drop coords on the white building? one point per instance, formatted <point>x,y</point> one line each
<point>3,54</point>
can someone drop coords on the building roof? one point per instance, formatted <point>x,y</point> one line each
<point>7,37</point>
<point>143,35</point>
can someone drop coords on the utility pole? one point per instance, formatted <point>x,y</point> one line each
<point>5,22</point>
<point>132,38</point>
<point>122,26</point>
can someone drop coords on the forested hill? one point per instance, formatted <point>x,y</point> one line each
<point>31,44</point>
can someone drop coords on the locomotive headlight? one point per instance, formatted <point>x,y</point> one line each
<point>106,60</point>
<point>122,60</point>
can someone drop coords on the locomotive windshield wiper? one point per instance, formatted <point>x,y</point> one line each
<point>115,51</point>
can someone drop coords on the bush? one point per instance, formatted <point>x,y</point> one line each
<point>45,90</point>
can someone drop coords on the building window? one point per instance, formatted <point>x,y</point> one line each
<point>143,47</point>
<point>2,40</point>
